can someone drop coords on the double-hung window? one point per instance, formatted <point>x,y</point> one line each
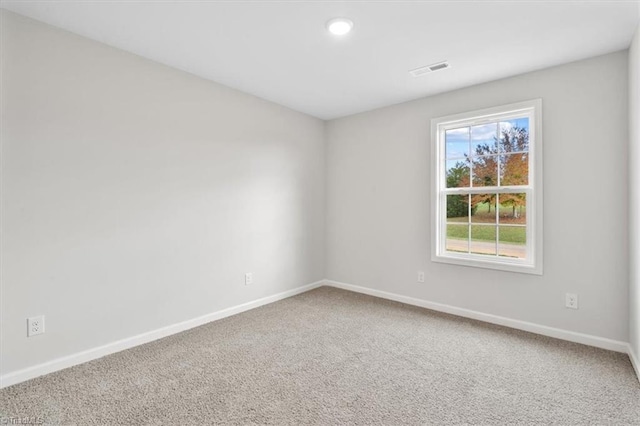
<point>487,188</point>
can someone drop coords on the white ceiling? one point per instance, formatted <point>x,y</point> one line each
<point>280,50</point>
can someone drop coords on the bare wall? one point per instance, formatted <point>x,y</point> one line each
<point>378,205</point>
<point>135,196</point>
<point>634,195</point>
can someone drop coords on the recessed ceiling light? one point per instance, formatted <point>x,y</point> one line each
<point>339,26</point>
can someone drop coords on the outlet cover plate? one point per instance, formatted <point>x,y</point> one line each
<point>35,326</point>
<point>571,301</point>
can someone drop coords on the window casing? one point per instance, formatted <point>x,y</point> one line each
<point>487,188</point>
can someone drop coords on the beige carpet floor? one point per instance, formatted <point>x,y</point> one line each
<point>329,357</point>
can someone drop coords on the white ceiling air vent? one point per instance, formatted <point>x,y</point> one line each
<point>429,68</point>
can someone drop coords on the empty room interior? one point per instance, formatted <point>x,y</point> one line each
<point>319,212</point>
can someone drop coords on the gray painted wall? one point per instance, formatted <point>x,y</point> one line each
<point>378,206</point>
<point>634,192</point>
<point>136,196</point>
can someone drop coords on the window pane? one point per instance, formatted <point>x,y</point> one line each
<point>458,208</point>
<point>457,143</point>
<point>512,241</point>
<point>483,239</point>
<point>457,174</point>
<point>484,139</point>
<point>483,208</point>
<point>513,208</point>
<point>514,169</point>
<point>514,135</point>
<point>457,238</point>
<point>485,170</point>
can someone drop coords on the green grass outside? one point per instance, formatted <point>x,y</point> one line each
<point>508,234</point>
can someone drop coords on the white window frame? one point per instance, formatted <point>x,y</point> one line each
<point>533,263</point>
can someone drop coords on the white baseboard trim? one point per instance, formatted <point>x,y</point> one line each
<point>572,336</point>
<point>120,345</point>
<point>635,361</point>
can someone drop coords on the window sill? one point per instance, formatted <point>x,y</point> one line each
<point>481,261</point>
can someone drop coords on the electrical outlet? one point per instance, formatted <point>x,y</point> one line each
<point>420,277</point>
<point>35,325</point>
<point>248,278</point>
<point>571,301</point>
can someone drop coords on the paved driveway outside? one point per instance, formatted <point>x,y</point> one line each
<point>487,247</point>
